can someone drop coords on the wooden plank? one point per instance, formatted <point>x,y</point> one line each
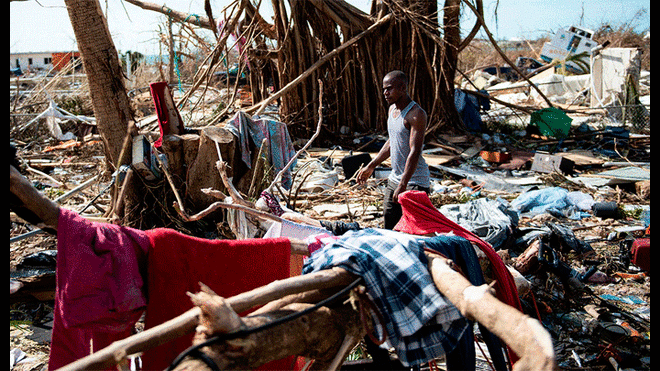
<point>581,158</point>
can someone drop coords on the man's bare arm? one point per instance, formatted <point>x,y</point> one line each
<point>382,155</point>
<point>417,122</point>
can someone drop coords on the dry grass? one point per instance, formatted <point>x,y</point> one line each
<point>481,53</point>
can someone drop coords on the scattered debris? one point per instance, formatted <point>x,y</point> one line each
<point>553,172</point>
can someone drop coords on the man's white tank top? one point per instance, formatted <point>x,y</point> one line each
<point>400,149</point>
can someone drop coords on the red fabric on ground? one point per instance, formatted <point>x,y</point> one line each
<point>420,217</point>
<point>176,265</point>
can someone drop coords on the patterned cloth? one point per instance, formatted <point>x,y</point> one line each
<point>257,129</point>
<point>419,322</point>
<point>420,217</point>
<point>273,204</point>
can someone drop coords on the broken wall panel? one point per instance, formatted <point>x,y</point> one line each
<point>610,70</point>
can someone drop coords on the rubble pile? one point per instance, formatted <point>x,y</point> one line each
<point>569,212</point>
<point>552,169</point>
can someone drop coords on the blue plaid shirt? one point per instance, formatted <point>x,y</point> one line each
<point>421,324</point>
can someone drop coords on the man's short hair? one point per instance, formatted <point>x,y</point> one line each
<point>399,76</point>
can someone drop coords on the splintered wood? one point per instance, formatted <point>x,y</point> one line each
<point>323,334</point>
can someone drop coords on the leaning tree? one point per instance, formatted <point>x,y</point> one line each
<point>104,75</point>
<point>350,51</point>
<point>308,41</point>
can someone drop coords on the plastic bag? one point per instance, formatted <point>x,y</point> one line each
<point>554,200</point>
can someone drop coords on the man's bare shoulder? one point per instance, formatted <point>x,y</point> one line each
<point>416,116</point>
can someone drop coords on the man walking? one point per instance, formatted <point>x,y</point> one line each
<point>406,123</point>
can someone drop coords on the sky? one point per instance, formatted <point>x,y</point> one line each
<point>43,25</point>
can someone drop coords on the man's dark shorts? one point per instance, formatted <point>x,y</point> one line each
<point>392,210</point>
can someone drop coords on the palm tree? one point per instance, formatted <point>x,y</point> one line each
<point>104,75</point>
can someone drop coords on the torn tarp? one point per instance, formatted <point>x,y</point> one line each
<point>54,115</point>
<point>492,220</point>
<point>556,201</point>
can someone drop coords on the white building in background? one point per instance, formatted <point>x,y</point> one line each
<point>40,60</point>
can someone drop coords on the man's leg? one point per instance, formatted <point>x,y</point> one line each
<point>391,209</point>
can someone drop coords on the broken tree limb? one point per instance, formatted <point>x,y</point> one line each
<point>36,207</point>
<point>496,100</point>
<point>477,25</point>
<point>214,56</point>
<point>318,334</point>
<point>309,142</point>
<point>523,334</point>
<point>218,204</point>
<point>480,19</point>
<point>186,322</point>
<point>44,175</point>
<point>74,191</point>
<point>198,20</point>
<point>216,314</point>
<point>233,192</point>
<point>171,183</point>
<point>118,208</point>
<point>261,106</point>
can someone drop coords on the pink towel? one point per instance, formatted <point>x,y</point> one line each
<point>100,292</point>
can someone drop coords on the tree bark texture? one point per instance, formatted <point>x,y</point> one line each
<point>305,31</point>
<point>317,335</point>
<point>104,74</point>
<point>411,42</point>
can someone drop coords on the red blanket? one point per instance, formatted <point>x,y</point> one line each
<point>177,263</point>
<point>421,217</point>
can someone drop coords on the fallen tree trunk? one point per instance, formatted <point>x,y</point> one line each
<point>524,335</point>
<point>186,322</point>
<point>317,335</point>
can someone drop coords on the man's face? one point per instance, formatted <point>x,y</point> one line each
<point>392,90</point>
